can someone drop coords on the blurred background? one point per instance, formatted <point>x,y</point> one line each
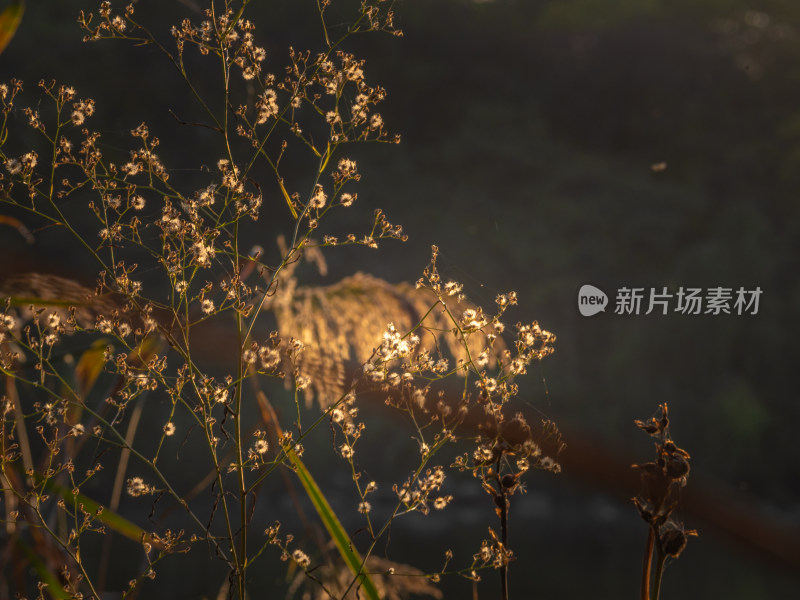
<point>530,133</point>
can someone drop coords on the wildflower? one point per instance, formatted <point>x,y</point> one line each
<point>77,430</point>
<point>104,325</point>
<point>485,553</point>
<point>548,464</point>
<point>346,450</point>
<point>436,478</point>
<point>169,429</point>
<point>150,324</point>
<point>473,319</point>
<point>353,72</point>
<point>137,202</point>
<point>220,395</point>
<point>518,366</point>
<point>206,196</point>
<point>403,494</point>
<point>267,106</point>
<point>482,454</point>
<point>142,381</point>
<point>452,288</point>
<point>33,118</point>
<point>137,487</point>
<point>29,160</point>
<point>375,121</point>
<point>332,86</point>
<point>65,145</point>
<point>489,384</point>
<point>347,167</point>
<point>531,448</point>
<point>207,306</point>
<point>318,199</point>
<point>347,199</point>
<point>112,201</point>
<point>272,531</point>
<point>141,131</point>
<point>371,487</point>
<point>202,253</point>
<point>301,558</point>
<point>441,502</point>
<point>180,286</point>
<point>124,329</point>
<point>364,507</point>
<point>13,166</point>
<point>81,110</point>
<point>375,375</point>
<point>132,168</point>
<point>118,23</point>
<point>261,446</point>
<point>269,357</point>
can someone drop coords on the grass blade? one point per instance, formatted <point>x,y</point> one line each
<point>107,516</point>
<point>334,527</point>
<point>9,21</point>
<point>54,587</point>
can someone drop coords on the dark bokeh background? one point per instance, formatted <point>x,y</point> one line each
<point>529,130</point>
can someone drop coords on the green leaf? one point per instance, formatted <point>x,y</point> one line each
<point>331,521</point>
<point>9,21</point>
<point>39,301</point>
<point>89,366</point>
<point>287,197</point>
<point>54,586</point>
<point>147,349</point>
<point>107,516</point>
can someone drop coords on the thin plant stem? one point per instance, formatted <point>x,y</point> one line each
<point>647,565</point>
<point>661,559</point>
<point>503,510</point>
<point>116,494</point>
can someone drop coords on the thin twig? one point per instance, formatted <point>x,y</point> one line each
<point>661,558</point>
<point>647,565</point>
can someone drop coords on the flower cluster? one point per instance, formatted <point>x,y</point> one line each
<point>662,481</point>
<point>422,491</point>
<point>175,258</point>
